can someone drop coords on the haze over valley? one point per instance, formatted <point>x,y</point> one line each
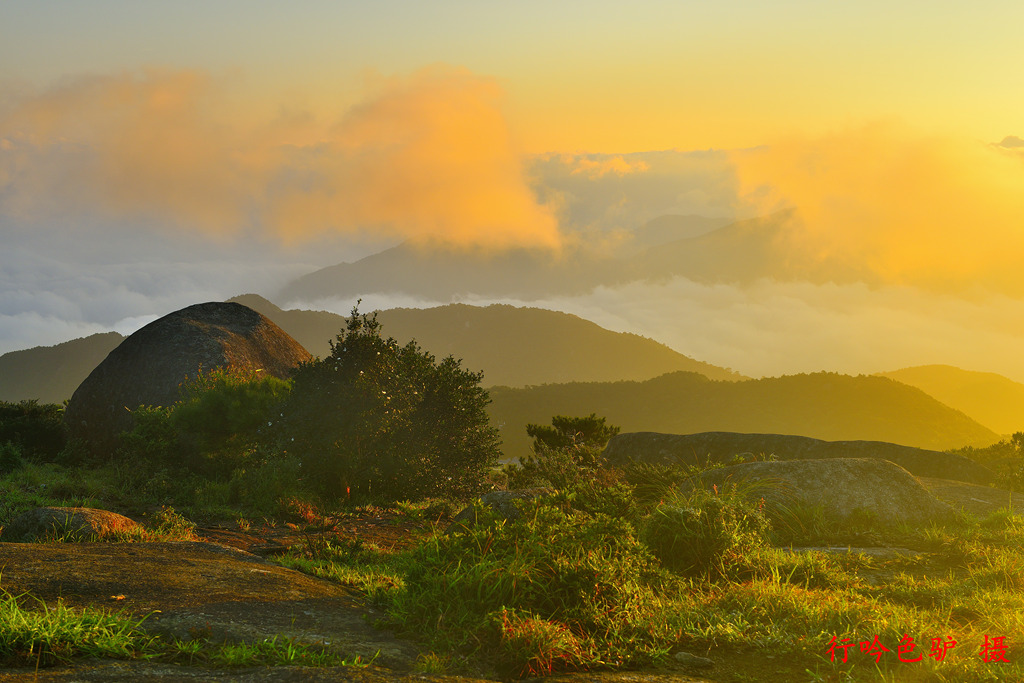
<point>707,206</point>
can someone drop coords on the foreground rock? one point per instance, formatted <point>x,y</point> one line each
<point>192,586</point>
<point>148,367</point>
<point>70,524</point>
<point>841,487</point>
<point>722,447</point>
<point>230,595</point>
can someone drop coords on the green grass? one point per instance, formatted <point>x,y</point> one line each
<point>577,584</point>
<point>567,590</point>
<point>33,633</point>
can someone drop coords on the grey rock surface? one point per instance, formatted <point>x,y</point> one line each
<point>841,487</point>
<point>148,367</point>
<point>721,447</point>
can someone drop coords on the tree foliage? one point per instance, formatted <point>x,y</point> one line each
<point>378,420</point>
<point>35,429</point>
<point>563,453</point>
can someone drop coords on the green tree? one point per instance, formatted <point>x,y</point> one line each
<point>571,432</point>
<point>378,420</point>
<point>564,453</point>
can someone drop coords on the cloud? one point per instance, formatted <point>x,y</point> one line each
<point>125,147</point>
<point>427,158</point>
<point>46,300</point>
<point>591,195</point>
<point>937,212</point>
<point>1011,142</point>
<point>600,168</point>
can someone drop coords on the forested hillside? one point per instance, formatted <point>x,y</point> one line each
<point>822,405</point>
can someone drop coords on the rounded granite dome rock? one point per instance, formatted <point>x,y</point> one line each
<point>148,367</point>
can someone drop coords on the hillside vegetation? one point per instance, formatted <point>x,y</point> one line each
<point>825,406</point>
<point>50,374</point>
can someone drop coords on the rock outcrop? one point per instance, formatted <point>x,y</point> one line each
<point>148,367</point>
<point>841,487</point>
<point>69,524</point>
<point>503,502</point>
<point>722,447</point>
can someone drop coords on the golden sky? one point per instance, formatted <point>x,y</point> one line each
<point>893,128</point>
<point>577,76</point>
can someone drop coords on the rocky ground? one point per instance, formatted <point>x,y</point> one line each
<point>224,586</point>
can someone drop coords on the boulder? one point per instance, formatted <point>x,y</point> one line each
<point>721,447</point>
<point>504,502</point>
<point>68,524</point>
<point>148,367</point>
<point>842,487</point>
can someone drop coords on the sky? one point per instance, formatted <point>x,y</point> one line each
<point>157,154</point>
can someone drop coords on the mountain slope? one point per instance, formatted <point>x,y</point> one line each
<point>991,399</point>
<point>822,405</point>
<point>52,373</point>
<point>513,346</point>
<point>693,247</point>
<point>441,273</point>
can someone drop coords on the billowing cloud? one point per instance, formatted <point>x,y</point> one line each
<point>1011,142</point>
<point>125,147</point>
<point>938,212</point>
<point>428,158</point>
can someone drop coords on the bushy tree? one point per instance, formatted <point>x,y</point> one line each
<point>564,453</point>
<point>378,420</point>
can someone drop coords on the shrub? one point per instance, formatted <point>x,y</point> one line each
<point>552,590</point>
<point>376,420</point>
<point>10,457</point>
<point>702,531</point>
<point>223,413</point>
<point>215,427</point>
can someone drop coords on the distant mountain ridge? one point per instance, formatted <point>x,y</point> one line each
<point>513,346</point>
<point>52,373</point>
<point>993,400</point>
<point>825,406</point>
<point>692,247</point>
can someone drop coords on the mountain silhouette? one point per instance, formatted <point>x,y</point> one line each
<point>822,405</point>
<point>513,346</point>
<point>51,374</point>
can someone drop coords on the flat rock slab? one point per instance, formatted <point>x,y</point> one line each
<point>201,587</point>
<point>721,447</point>
<point>841,487</point>
<point>104,671</point>
<point>977,500</point>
